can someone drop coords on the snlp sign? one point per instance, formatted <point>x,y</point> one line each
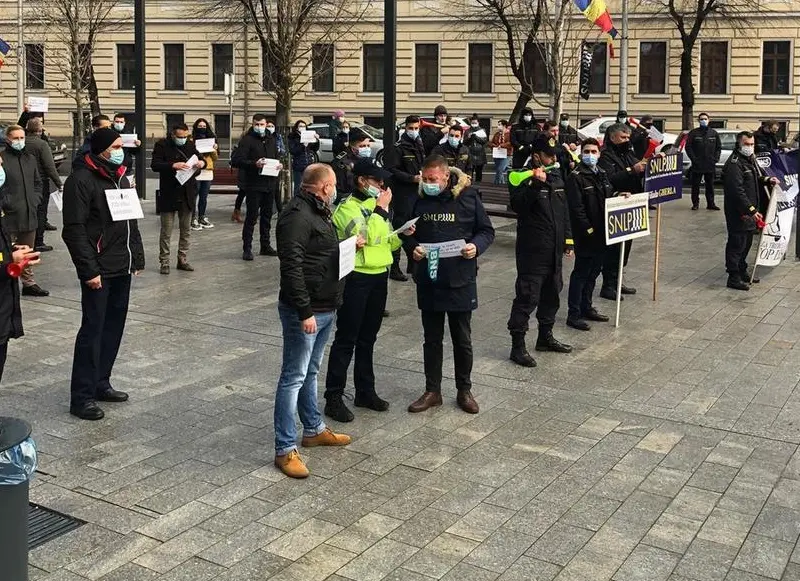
<point>627,218</point>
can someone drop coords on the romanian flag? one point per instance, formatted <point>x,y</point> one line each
<point>4,48</point>
<point>595,11</point>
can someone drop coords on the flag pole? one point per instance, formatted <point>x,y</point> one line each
<point>658,252</point>
<point>623,59</point>
<point>619,280</point>
<point>20,61</point>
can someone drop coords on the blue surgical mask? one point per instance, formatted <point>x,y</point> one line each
<point>431,189</point>
<point>119,126</point>
<point>365,151</point>
<point>564,123</point>
<point>453,141</point>
<point>703,122</point>
<point>412,133</point>
<point>589,159</point>
<point>18,145</point>
<point>259,130</point>
<point>372,191</point>
<point>2,176</point>
<point>117,156</point>
<point>179,141</point>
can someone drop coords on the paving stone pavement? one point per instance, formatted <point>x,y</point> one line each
<point>664,450</point>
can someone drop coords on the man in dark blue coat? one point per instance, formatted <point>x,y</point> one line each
<point>449,210</point>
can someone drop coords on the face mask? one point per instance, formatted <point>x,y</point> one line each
<point>453,141</point>
<point>271,129</point>
<point>365,151</point>
<point>412,133</point>
<point>430,189</point>
<point>624,146</point>
<point>18,145</point>
<point>346,130</point>
<point>564,123</point>
<point>179,141</point>
<point>589,159</point>
<point>201,132</point>
<point>260,130</point>
<point>527,118</point>
<point>747,150</point>
<point>119,126</point>
<point>2,176</point>
<point>117,156</point>
<point>372,191</point>
<point>329,202</point>
<point>301,127</point>
<point>474,125</point>
<point>703,122</point>
<point>621,119</point>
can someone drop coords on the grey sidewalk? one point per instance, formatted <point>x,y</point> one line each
<point>664,450</point>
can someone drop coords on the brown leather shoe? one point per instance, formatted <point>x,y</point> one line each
<point>428,400</point>
<point>466,402</point>
<point>326,438</point>
<point>292,465</point>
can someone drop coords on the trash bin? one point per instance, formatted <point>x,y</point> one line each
<point>17,463</point>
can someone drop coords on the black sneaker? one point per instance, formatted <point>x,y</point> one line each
<point>713,207</point>
<point>371,401</point>
<point>185,266</point>
<point>88,411</point>
<point>268,251</point>
<point>34,290</point>
<point>247,255</point>
<point>336,410</point>
<point>593,315</point>
<point>579,324</point>
<point>628,290</point>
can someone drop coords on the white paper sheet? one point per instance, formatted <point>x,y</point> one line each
<point>124,205</point>
<point>656,135</point>
<point>308,136</point>
<point>347,256</point>
<point>38,104</point>
<point>499,153</point>
<point>184,175</point>
<point>405,226</point>
<point>271,167</point>
<point>205,175</point>
<point>58,199</point>
<point>480,133</point>
<point>448,249</point>
<point>129,139</point>
<point>205,145</point>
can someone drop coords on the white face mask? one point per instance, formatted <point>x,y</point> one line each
<point>747,150</point>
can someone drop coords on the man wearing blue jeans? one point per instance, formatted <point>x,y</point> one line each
<point>310,293</point>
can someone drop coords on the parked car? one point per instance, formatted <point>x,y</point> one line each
<point>597,129</point>
<point>59,150</point>
<point>325,152</point>
<point>728,139</point>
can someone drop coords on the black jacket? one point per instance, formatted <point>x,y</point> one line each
<point>339,142</point>
<point>40,149</point>
<point>22,191</point>
<point>97,244</point>
<point>10,312</point>
<point>251,148</point>
<point>404,159</point>
<point>744,196</point>
<point>703,146</point>
<point>640,141</point>
<point>522,137</point>
<point>455,214</point>
<point>171,194</point>
<point>342,166</point>
<point>587,192</point>
<point>568,135</point>
<point>619,167</point>
<point>456,157</point>
<point>476,146</point>
<point>766,141</point>
<point>309,253</point>
<point>430,135</point>
<point>543,227</point>
<point>303,154</point>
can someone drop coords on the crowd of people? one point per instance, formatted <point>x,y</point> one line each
<point>423,201</point>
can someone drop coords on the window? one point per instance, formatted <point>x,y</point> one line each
<point>713,68</point>
<point>222,125</point>
<point>323,120</point>
<point>322,68</point>
<point>268,74</point>
<point>373,68</point>
<point>126,67</point>
<point>480,68</point>
<point>221,63</point>
<point>426,78</point>
<point>598,81</point>
<point>653,68</point>
<point>659,124</point>
<point>536,68</point>
<point>34,66</point>
<point>718,124</point>
<point>173,67</point>
<point>775,67</point>
<point>173,119</point>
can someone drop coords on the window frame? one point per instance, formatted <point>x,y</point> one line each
<point>118,69</point>
<point>315,78</point>
<point>164,46</point>
<point>212,86</point>
<point>364,72</point>
<point>666,67</point>
<point>438,87</point>
<point>217,127</point>
<point>40,83</point>
<point>790,73</point>
<point>469,88</point>
<point>727,42</point>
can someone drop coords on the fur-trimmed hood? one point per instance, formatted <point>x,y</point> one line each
<point>459,181</point>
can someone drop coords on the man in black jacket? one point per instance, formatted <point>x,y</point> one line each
<point>567,133</point>
<point>587,190</point>
<point>449,210</point>
<point>766,137</point>
<point>523,135</point>
<point>37,145</point>
<point>252,153</point>
<point>357,148</point>
<point>743,183</point>
<point>177,162</point>
<point>310,293</point>
<point>704,147</point>
<point>431,135</point>
<point>543,237</point>
<point>106,249</point>
<point>404,160</point>
<point>454,151</point>
<point>626,174</point>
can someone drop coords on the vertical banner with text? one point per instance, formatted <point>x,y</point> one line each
<point>775,238</point>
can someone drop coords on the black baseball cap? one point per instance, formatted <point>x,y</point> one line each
<point>542,145</point>
<point>369,169</point>
<point>357,134</point>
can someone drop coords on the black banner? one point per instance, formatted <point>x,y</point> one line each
<point>586,72</point>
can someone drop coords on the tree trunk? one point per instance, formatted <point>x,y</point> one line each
<point>283,106</point>
<point>94,95</point>
<point>524,97</point>
<point>687,86</point>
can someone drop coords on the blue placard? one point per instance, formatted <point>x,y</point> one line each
<point>663,178</point>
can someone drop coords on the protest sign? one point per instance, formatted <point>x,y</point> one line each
<point>663,178</point>
<point>775,238</point>
<point>626,218</point>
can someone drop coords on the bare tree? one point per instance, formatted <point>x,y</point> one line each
<point>288,32</point>
<point>71,29</point>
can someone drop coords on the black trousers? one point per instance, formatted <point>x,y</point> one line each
<point>537,292</point>
<point>477,171</point>
<point>237,205</point>
<point>736,251</point>
<point>259,208</point>
<point>41,213</point>
<point>97,344</point>
<point>358,322</point>
<point>433,350</point>
<point>398,219</point>
<point>709,179</point>
<point>611,264</point>
<point>582,282</point>
<point>3,356</point>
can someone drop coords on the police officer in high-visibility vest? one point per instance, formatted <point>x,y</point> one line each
<point>357,149</point>
<point>365,214</point>
<point>543,238</point>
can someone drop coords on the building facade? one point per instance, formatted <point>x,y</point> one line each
<point>741,77</point>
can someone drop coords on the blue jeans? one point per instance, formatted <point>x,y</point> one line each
<point>500,166</point>
<point>202,197</point>
<point>297,386</point>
